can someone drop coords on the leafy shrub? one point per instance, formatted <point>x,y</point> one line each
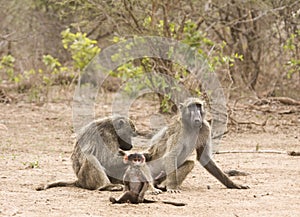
<point>292,48</point>
<point>213,52</point>
<point>38,81</point>
<point>7,65</point>
<point>82,49</point>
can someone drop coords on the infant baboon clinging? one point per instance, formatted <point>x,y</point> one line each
<point>97,155</point>
<point>170,150</point>
<point>137,180</point>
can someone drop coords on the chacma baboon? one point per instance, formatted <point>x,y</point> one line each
<point>97,155</point>
<point>174,144</point>
<point>137,180</point>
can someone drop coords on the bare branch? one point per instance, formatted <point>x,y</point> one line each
<point>291,153</point>
<point>129,10</point>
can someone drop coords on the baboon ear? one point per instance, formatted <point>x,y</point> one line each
<point>202,106</point>
<point>125,159</point>
<point>147,157</point>
<point>143,158</point>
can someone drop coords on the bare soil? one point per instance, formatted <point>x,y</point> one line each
<point>36,142</point>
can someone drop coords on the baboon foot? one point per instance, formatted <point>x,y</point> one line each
<point>111,187</point>
<point>173,190</point>
<point>112,199</point>
<point>162,188</point>
<point>40,188</point>
<point>155,191</point>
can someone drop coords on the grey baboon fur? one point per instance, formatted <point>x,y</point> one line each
<point>188,132</point>
<point>97,156</point>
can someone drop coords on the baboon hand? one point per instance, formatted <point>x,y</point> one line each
<point>140,199</point>
<point>244,187</point>
<point>236,186</point>
<point>155,191</point>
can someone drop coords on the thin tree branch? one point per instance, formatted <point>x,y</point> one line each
<point>291,153</point>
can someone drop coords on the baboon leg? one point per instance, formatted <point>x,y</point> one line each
<point>92,176</point>
<point>208,163</point>
<point>57,184</point>
<point>127,197</point>
<point>165,202</point>
<point>111,187</point>
<point>182,172</point>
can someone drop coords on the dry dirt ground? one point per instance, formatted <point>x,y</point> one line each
<point>36,143</point>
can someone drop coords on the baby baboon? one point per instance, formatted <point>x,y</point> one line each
<point>170,150</point>
<point>97,155</point>
<point>137,180</point>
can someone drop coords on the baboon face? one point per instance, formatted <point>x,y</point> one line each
<point>193,113</point>
<point>135,159</point>
<point>125,130</point>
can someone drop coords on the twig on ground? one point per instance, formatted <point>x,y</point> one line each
<point>285,100</point>
<point>269,110</point>
<point>291,153</point>
<point>249,122</point>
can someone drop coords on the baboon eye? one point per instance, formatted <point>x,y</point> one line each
<point>136,160</point>
<point>193,106</point>
<point>121,123</point>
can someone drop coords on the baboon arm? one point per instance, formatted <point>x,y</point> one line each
<point>142,192</point>
<point>203,156</point>
<point>126,186</point>
<point>213,169</point>
<point>126,182</point>
<point>171,170</point>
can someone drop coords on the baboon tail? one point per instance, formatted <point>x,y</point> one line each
<point>57,184</point>
<point>174,203</point>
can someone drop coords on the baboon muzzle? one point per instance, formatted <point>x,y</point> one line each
<point>196,119</point>
<point>124,145</point>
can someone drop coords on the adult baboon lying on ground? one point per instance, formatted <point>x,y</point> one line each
<point>170,150</point>
<point>98,157</point>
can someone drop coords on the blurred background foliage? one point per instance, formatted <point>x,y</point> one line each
<point>253,46</point>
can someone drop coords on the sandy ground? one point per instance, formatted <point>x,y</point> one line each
<point>36,143</point>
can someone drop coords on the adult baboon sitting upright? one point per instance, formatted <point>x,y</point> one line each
<point>174,144</point>
<point>97,155</point>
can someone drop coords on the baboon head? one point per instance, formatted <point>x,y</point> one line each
<point>135,159</point>
<point>125,129</point>
<point>192,112</point>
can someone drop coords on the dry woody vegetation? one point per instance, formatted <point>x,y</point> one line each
<point>251,46</point>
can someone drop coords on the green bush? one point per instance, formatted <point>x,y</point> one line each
<point>82,49</point>
<point>7,65</point>
<point>213,52</point>
<point>292,48</point>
